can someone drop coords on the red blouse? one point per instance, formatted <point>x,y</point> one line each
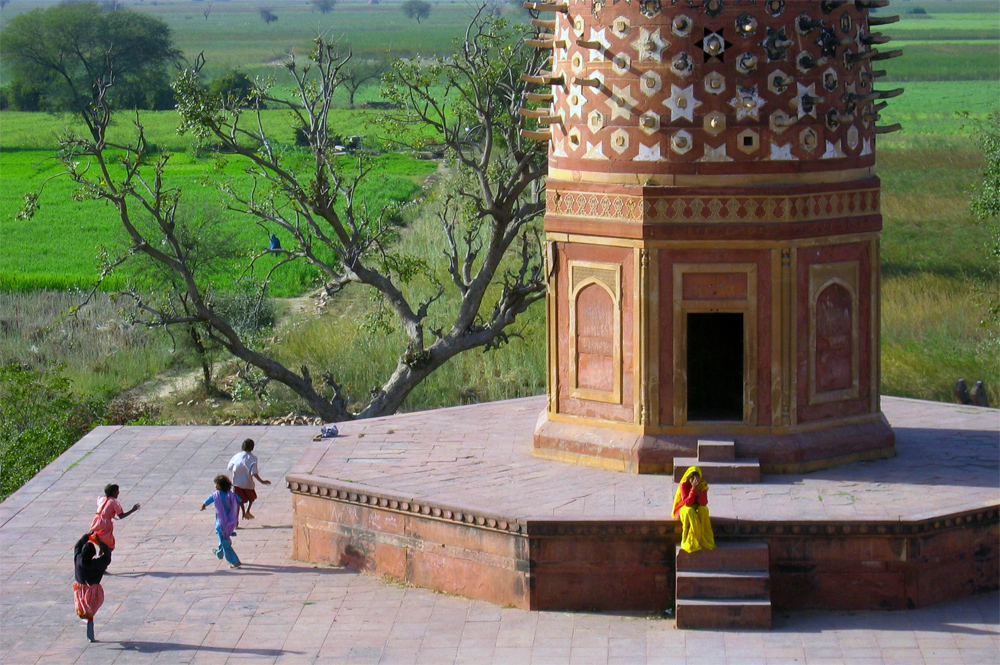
<point>691,496</point>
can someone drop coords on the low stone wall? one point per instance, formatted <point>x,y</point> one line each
<point>608,565</point>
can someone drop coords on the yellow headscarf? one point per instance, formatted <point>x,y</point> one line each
<point>702,486</point>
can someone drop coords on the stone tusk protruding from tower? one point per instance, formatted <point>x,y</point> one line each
<point>547,7</point>
<point>888,54</point>
<point>591,82</point>
<point>876,21</point>
<point>543,78</point>
<point>875,38</point>
<point>888,129</point>
<point>870,4</point>
<point>539,96</point>
<point>589,43</point>
<point>541,135</point>
<point>546,43</point>
<point>533,113</point>
<point>543,24</point>
<point>876,94</point>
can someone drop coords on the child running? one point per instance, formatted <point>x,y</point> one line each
<point>108,509</point>
<point>226,515</point>
<point>89,567</point>
<point>243,466</point>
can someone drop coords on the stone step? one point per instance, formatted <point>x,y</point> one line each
<point>713,613</point>
<point>726,557</point>
<point>724,584</point>
<point>716,451</point>
<point>737,472</point>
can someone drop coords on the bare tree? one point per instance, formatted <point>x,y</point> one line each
<point>493,249</point>
<point>357,73</point>
<point>208,10</point>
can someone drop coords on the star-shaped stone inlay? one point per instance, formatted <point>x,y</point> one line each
<point>805,99</point>
<point>621,102</point>
<point>713,44</point>
<point>597,54</point>
<point>649,45</point>
<point>747,102</point>
<point>576,100</point>
<point>681,103</point>
<point>558,147</point>
<point>833,150</point>
<point>715,154</point>
<point>563,36</point>
<point>782,153</point>
<point>595,151</point>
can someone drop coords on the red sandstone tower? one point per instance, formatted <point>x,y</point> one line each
<point>713,230</point>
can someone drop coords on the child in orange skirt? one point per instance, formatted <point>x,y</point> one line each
<point>108,509</point>
<point>89,567</point>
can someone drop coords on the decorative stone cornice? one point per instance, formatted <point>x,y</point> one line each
<point>688,208</point>
<point>320,487</point>
<point>315,486</point>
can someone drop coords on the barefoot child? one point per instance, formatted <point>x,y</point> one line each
<point>108,508</point>
<point>89,567</point>
<point>226,516</point>
<point>243,466</point>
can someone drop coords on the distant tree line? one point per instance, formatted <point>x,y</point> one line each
<point>54,56</point>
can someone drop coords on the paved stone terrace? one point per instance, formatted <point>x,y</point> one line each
<point>170,601</point>
<point>480,456</point>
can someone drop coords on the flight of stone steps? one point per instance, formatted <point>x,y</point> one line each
<point>718,462</point>
<point>728,587</point>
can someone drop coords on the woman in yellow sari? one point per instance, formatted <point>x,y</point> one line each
<point>691,506</point>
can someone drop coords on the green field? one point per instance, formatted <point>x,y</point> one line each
<point>939,276</point>
<point>234,36</point>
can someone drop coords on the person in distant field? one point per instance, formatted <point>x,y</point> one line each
<point>108,509</point>
<point>227,514</point>
<point>691,506</point>
<point>243,466</point>
<point>89,567</point>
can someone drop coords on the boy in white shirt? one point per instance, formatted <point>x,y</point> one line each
<point>243,466</point>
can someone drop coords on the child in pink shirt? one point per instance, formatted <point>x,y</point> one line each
<point>108,508</point>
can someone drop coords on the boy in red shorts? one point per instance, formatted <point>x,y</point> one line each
<point>243,466</point>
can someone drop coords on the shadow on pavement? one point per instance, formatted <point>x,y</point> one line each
<point>162,647</point>
<point>250,569</point>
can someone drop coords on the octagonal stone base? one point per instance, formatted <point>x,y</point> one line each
<point>636,452</point>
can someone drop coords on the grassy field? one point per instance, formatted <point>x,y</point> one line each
<point>27,160</point>
<point>938,275</point>
<point>234,36</point>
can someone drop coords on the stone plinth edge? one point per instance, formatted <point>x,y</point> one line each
<point>608,447</point>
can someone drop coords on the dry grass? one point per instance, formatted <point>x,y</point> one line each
<point>932,336</point>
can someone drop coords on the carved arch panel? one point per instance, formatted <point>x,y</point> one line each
<point>834,342</point>
<point>595,331</point>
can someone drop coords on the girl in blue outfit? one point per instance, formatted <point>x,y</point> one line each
<point>226,516</point>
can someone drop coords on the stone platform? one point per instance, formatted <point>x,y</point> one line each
<point>454,500</point>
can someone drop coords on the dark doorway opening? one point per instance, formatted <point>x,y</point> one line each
<point>715,366</point>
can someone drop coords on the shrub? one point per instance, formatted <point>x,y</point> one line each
<point>40,417</point>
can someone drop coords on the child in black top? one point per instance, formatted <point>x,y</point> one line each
<point>89,567</point>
